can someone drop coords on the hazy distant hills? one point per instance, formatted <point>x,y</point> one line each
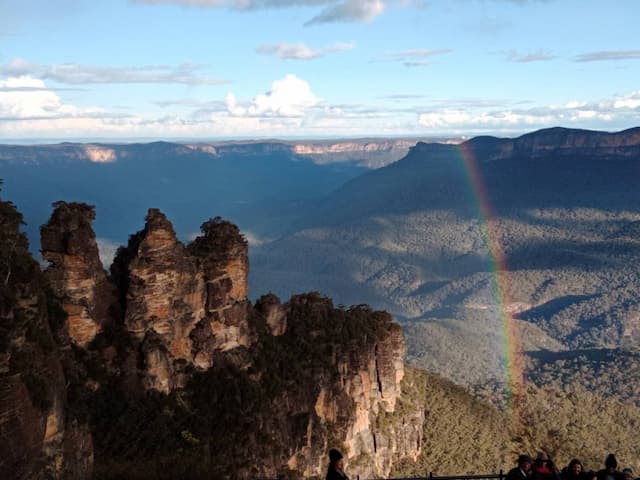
<point>408,237</point>
<point>259,185</point>
<point>554,167</point>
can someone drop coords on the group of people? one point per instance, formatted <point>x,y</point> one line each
<point>543,468</point>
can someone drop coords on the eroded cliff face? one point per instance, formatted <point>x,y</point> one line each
<point>183,304</point>
<point>373,384</point>
<point>349,371</point>
<point>42,437</point>
<point>75,272</point>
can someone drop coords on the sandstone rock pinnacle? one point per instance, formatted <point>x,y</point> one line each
<point>75,271</point>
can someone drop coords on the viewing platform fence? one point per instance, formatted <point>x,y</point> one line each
<point>430,476</point>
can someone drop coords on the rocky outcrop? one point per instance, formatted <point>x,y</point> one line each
<point>351,373</point>
<point>167,354</point>
<point>164,299</point>
<point>41,435</point>
<point>75,272</point>
<point>367,152</point>
<point>374,389</point>
<point>577,142</point>
<point>274,313</point>
<point>100,154</point>
<point>222,254</point>
<point>183,304</point>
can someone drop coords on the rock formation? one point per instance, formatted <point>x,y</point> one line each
<point>75,272</point>
<point>183,304</point>
<point>350,373</point>
<point>167,353</point>
<point>42,436</point>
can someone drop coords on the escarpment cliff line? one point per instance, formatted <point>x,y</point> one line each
<point>551,141</point>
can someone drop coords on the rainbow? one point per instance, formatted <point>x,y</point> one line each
<point>511,347</point>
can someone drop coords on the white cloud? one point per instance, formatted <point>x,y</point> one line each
<point>299,51</point>
<point>237,4</point>
<point>539,55</point>
<point>416,64</point>
<point>289,51</point>
<point>334,11</point>
<point>253,239</point>
<point>630,102</point>
<point>288,97</point>
<point>417,53</point>
<point>414,57</point>
<point>350,11</point>
<point>623,110</point>
<point>75,74</point>
<point>26,97</point>
<point>29,109</point>
<point>608,55</point>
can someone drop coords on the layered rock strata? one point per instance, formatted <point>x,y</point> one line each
<point>183,304</point>
<point>75,272</point>
<point>42,437</point>
<point>350,374</point>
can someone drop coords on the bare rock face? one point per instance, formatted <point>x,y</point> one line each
<point>372,381</point>
<point>36,424</point>
<point>183,304</point>
<point>352,375</point>
<point>164,299</point>
<point>75,272</point>
<point>375,390</point>
<point>274,313</point>
<point>223,256</point>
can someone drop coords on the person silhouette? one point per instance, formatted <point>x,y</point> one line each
<point>336,466</point>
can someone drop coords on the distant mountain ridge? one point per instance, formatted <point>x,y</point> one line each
<point>434,175</point>
<point>258,184</point>
<point>366,152</point>
<point>409,237</point>
<point>559,140</point>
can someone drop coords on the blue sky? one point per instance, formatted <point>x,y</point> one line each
<point>211,69</point>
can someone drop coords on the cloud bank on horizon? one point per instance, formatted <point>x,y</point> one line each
<point>315,68</point>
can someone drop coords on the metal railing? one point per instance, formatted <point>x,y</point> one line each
<point>430,476</point>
